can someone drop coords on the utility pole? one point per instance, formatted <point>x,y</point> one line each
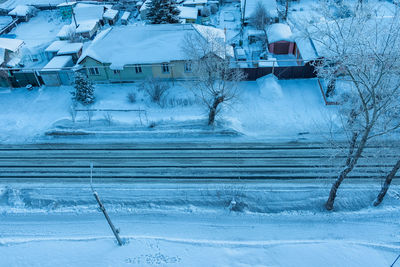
<point>103,209</point>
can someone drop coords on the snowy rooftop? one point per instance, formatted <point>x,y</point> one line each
<point>126,15</point>
<point>85,12</point>
<point>306,48</point>
<point>2,55</point>
<point>195,2</point>
<point>67,4</point>
<point>70,48</point>
<point>187,12</point>
<point>11,44</point>
<point>86,26</point>
<point>110,14</point>
<point>22,10</point>
<point>143,44</point>
<point>56,46</point>
<point>251,5</point>
<point>66,30</point>
<point>144,5</point>
<point>58,63</point>
<point>279,32</point>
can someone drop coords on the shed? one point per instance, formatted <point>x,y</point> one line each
<point>57,72</point>
<point>280,39</point>
<point>88,29</point>
<point>125,17</point>
<point>23,12</point>
<point>71,49</point>
<point>188,14</point>
<point>52,50</point>
<point>110,16</point>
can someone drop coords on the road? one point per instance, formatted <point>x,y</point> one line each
<point>186,161</point>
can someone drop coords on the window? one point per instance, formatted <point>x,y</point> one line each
<point>94,71</point>
<point>117,71</point>
<point>188,67</point>
<point>165,68</point>
<point>138,69</point>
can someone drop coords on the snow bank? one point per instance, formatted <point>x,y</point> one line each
<point>270,87</point>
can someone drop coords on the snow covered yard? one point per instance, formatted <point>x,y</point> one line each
<point>266,109</point>
<point>190,224</point>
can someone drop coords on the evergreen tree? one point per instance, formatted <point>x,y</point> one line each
<point>84,90</point>
<point>162,12</point>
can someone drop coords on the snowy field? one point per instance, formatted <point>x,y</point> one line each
<point>186,223</point>
<point>263,110</point>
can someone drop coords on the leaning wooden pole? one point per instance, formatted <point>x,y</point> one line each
<point>103,209</point>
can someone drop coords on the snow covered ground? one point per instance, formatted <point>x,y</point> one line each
<point>268,109</point>
<point>9,4</point>
<point>186,223</point>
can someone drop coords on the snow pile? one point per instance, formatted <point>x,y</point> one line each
<point>270,87</point>
<point>279,32</point>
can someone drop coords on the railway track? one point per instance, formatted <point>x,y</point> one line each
<point>186,161</point>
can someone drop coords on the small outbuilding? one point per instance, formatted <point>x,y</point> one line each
<point>280,39</point>
<point>188,14</point>
<point>52,50</point>
<point>88,29</point>
<point>58,71</point>
<point>125,18</point>
<point>110,16</point>
<point>23,12</point>
<point>71,49</point>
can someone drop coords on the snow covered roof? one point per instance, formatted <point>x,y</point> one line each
<point>66,30</point>
<point>58,63</point>
<point>66,4</point>
<point>86,12</point>
<point>110,14</point>
<point>144,5</point>
<point>279,32</point>
<point>22,10</point>
<point>126,15</point>
<point>55,46</point>
<point>86,26</point>
<point>251,5</point>
<point>142,44</point>
<point>13,62</point>
<point>187,12</point>
<point>195,2</point>
<point>11,44</point>
<point>254,32</point>
<point>70,48</point>
<point>306,48</point>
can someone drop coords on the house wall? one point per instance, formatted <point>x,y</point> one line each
<point>177,71</point>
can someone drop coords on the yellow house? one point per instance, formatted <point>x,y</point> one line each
<point>129,53</point>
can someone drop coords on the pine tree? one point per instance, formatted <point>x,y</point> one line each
<point>162,12</point>
<point>84,90</point>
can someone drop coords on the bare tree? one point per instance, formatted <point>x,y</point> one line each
<point>216,82</point>
<point>260,19</point>
<point>386,184</point>
<point>364,50</point>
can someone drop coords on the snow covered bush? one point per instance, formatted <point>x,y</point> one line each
<point>131,97</point>
<point>156,89</point>
<point>162,12</point>
<point>84,90</point>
